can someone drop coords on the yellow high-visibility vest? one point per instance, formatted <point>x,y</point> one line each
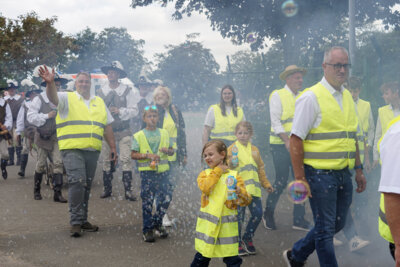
<point>363,111</point>
<point>217,232</point>
<point>384,229</point>
<point>287,101</point>
<point>144,147</point>
<point>83,127</point>
<point>224,126</point>
<point>332,144</point>
<point>248,169</point>
<point>170,126</point>
<point>385,116</point>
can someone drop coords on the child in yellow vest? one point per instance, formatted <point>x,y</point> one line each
<point>223,191</point>
<point>246,159</point>
<point>151,148</point>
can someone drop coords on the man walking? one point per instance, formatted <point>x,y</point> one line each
<point>82,121</point>
<point>323,147</point>
<point>120,100</point>
<point>281,103</point>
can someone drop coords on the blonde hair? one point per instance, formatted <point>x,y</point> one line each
<point>219,145</point>
<point>244,124</point>
<point>166,90</point>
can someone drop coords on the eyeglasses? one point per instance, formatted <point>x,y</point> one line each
<point>339,66</point>
<point>153,107</point>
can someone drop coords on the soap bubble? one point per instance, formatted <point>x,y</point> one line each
<point>289,8</point>
<point>297,192</point>
<point>251,38</point>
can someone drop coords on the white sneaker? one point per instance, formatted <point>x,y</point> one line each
<point>166,222</point>
<point>337,242</point>
<point>357,243</point>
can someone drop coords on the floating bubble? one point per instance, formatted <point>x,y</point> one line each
<point>289,8</point>
<point>251,38</point>
<point>186,45</point>
<point>297,192</point>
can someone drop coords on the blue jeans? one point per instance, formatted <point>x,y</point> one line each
<point>154,186</point>
<point>201,261</point>
<point>331,198</point>
<point>256,211</point>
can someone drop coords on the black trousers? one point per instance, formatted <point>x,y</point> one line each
<point>282,164</point>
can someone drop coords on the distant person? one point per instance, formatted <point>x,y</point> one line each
<point>42,114</point>
<point>120,100</point>
<point>389,213</point>
<point>222,118</point>
<point>28,130</point>
<point>6,125</point>
<point>171,119</point>
<point>323,147</point>
<point>391,95</point>
<point>14,100</point>
<point>245,158</point>
<point>151,148</point>
<point>222,192</point>
<point>281,104</point>
<point>145,86</point>
<point>82,122</point>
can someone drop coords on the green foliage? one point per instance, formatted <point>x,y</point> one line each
<point>190,71</point>
<point>100,49</point>
<point>29,41</point>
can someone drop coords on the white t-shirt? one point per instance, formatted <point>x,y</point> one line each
<point>390,156</point>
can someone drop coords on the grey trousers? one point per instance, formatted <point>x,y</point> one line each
<point>80,166</point>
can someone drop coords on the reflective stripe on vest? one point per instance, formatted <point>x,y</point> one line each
<point>248,168</point>
<point>332,144</point>
<point>224,126</point>
<point>144,147</point>
<point>287,102</point>
<point>169,125</point>
<point>83,127</point>
<point>217,233</point>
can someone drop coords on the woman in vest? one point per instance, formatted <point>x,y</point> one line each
<point>221,119</point>
<point>171,119</point>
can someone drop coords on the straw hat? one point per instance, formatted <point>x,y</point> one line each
<point>290,70</point>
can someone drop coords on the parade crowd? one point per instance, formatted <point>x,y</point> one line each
<point>322,136</point>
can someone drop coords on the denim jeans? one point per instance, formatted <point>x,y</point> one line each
<point>282,165</point>
<point>255,208</point>
<point>154,186</point>
<point>201,261</point>
<point>331,198</point>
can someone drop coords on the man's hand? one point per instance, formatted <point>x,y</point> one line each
<point>153,157</point>
<point>361,181</point>
<point>52,114</point>
<point>114,110</point>
<point>46,74</point>
<point>287,145</point>
<point>114,156</point>
<point>3,127</point>
<point>304,180</point>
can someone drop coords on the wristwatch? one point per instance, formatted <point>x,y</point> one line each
<point>359,167</point>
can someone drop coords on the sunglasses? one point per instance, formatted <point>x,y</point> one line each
<point>340,66</point>
<point>153,107</point>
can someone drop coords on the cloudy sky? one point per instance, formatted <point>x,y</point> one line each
<point>152,24</point>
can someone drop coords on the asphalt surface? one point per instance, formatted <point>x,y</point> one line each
<point>36,233</point>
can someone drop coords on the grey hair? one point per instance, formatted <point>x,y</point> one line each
<point>328,52</point>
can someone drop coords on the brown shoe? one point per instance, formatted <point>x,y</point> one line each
<point>76,230</point>
<point>88,227</point>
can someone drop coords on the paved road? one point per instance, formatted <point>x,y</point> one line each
<point>36,233</point>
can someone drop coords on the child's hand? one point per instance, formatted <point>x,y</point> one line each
<point>164,150</point>
<point>270,189</point>
<point>154,157</point>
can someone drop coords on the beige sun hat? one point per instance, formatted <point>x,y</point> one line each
<point>290,70</point>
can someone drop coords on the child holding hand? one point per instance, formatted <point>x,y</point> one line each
<point>223,190</point>
<point>245,158</point>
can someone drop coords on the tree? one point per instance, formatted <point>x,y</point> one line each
<point>97,50</point>
<point>28,42</point>
<point>309,26</point>
<point>190,71</point>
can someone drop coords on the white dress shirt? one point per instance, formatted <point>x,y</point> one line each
<point>35,117</point>
<point>8,121</point>
<point>16,97</point>
<point>307,114</point>
<point>275,111</point>
<point>131,110</point>
<point>390,156</point>
<point>378,132</point>
<point>21,117</point>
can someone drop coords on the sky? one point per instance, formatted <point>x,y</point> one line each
<point>153,24</point>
